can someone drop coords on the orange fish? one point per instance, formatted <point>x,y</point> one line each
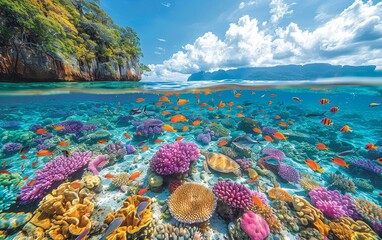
<point>227,116</point>
<point>25,178</point>
<point>196,122</point>
<point>145,148</point>
<point>127,135</point>
<point>41,131</point>
<point>346,128</point>
<point>166,112</point>
<point>158,140</point>
<point>313,165</point>
<point>231,104</point>
<point>277,117</point>
<point>371,146</point>
<point>221,104</point>
<point>176,108</point>
<point>324,101</point>
<point>142,191</point>
<point>279,136</point>
<point>322,146</point>
<point>207,92</point>
<point>170,103</point>
<point>253,179</point>
<point>240,115</point>
<point>268,138</point>
<point>164,99</point>
<point>108,176</point>
<point>222,143</point>
<point>283,124</point>
<point>24,157</point>
<point>168,128</point>
<point>44,152</point>
<point>273,95</point>
<point>239,106</point>
<point>238,95</point>
<point>5,172</point>
<point>257,130</point>
<point>179,138</point>
<point>32,183</point>
<point>291,122</point>
<point>57,128</point>
<point>270,102</point>
<point>140,100</point>
<point>340,162</point>
<point>182,101</point>
<point>34,164</point>
<point>379,160</point>
<point>204,104</point>
<point>75,185</point>
<point>210,109</point>
<point>134,175</point>
<point>257,201</point>
<point>103,141</point>
<point>178,118</point>
<point>158,104</point>
<point>184,128</point>
<point>63,144</point>
<point>22,167</point>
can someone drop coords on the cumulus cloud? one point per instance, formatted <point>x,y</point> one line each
<point>352,37</point>
<point>278,9</point>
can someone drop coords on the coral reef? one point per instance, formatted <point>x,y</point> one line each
<point>174,184</point>
<point>204,138</point>
<point>12,220</point>
<point>340,182</point>
<point>346,228</point>
<point>148,128</point>
<point>99,162</point>
<point>363,184</point>
<point>192,203</point>
<point>368,165</point>
<point>308,183</point>
<point>219,130</point>
<point>332,203</point>
<point>279,194</point>
<point>275,153</point>
<point>235,195</point>
<point>288,173</point>
<point>244,164</point>
<point>115,151</point>
<point>247,124</point>
<point>10,148</point>
<point>267,213</point>
<point>54,171</point>
<point>254,225</point>
<point>228,152</point>
<point>174,158</point>
<point>179,231</point>
<point>121,179</point>
<point>75,127</point>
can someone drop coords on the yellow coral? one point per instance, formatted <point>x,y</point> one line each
<point>267,212</point>
<point>346,228</point>
<point>121,179</point>
<point>128,212</point>
<point>308,183</point>
<point>311,214</point>
<point>279,194</point>
<point>192,203</point>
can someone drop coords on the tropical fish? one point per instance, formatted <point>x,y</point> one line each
<point>268,138</point>
<point>204,104</point>
<point>296,99</point>
<point>315,114</point>
<point>41,131</point>
<point>24,157</point>
<point>57,128</point>
<point>373,104</point>
<point>44,152</point>
<point>252,174</point>
<point>340,162</point>
<point>222,143</point>
<point>231,104</point>
<point>270,102</point>
<point>283,124</point>
<point>210,109</point>
<point>334,109</point>
<point>75,185</point>
<point>257,130</point>
<point>166,112</point>
<point>322,146</point>
<point>25,178</point>
<point>279,136</point>
<point>134,175</point>
<point>103,141</point>
<point>34,164</point>
<point>347,152</point>
<point>178,118</point>
<point>83,234</point>
<point>313,165</point>
<point>32,183</point>
<point>324,101</point>
<point>182,101</point>
<point>108,176</point>
<point>168,128</point>
<point>158,104</point>
<point>140,144</point>
<point>240,115</point>
<point>345,128</point>
<point>327,121</point>
<point>145,148</point>
<point>5,172</point>
<point>141,207</point>
<point>127,135</point>
<point>24,150</point>
<point>164,99</point>
<point>371,146</point>
<point>179,138</point>
<point>158,140</point>
<point>22,167</point>
<point>142,191</point>
<point>66,153</point>
<point>184,128</point>
<point>63,144</point>
<point>196,122</point>
<point>112,226</point>
<point>237,95</point>
<point>277,117</point>
<point>139,100</point>
<point>221,104</point>
<point>272,95</point>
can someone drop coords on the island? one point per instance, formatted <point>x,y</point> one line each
<point>289,72</point>
<point>65,40</point>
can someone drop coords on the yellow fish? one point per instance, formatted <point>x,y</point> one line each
<point>168,128</point>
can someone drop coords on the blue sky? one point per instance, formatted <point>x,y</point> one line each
<point>181,37</point>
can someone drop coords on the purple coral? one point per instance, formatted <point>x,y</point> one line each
<point>130,149</point>
<point>116,151</point>
<point>204,138</point>
<point>254,226</point>
<point>12,147</point>
<point>42,139</point>
<point>288,173</point>
<point>73,126</point>
<point>149,127</point>
<point>367,165</point>
<point>99,162</point>
<point>35,127</point>
<point>174,158</point>
<point>243,163</point>
<point>233,194</point>
<point>275,153</point>
<point>48,146</point>
<point>332,203</point>
<point>54,171</point>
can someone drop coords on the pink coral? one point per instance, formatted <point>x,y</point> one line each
<point>99,162</point>
<point>174,158</point>
<point>254,226</point>
<point>234,194</point>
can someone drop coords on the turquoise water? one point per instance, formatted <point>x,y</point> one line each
<point>240,117</point>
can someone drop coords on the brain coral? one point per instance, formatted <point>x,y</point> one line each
<point>192,203</point>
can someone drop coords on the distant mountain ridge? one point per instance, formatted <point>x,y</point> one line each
<point>289,72</point>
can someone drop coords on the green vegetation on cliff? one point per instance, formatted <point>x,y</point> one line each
<point>72,31</point>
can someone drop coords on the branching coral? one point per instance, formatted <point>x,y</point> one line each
<point>234,194</point>
<point>340,182</point>
<point>192,203</point>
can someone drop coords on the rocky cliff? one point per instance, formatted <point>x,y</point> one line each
<point>64,40</point>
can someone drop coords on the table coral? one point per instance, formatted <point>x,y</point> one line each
<point>192,203</point>
<point>128,212</point>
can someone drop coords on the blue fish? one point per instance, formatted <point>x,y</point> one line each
<point>141,144</point>
<point>83,234</point>
<point>273,161</point>
<point>141,207</point>
<point>112,226</point>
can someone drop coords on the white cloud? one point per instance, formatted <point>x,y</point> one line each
<point>246,4</point>
<point>159,50</point>
<point>166,4</point>
<point>353,37</point>
<point>161,40</point>
<point>278,9</point>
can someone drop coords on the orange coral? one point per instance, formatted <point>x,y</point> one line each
<point>267,212</point>
<point>279,194</point>
<point>346,228</point>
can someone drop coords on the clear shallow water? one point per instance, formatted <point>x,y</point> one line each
<point>108,107</point>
